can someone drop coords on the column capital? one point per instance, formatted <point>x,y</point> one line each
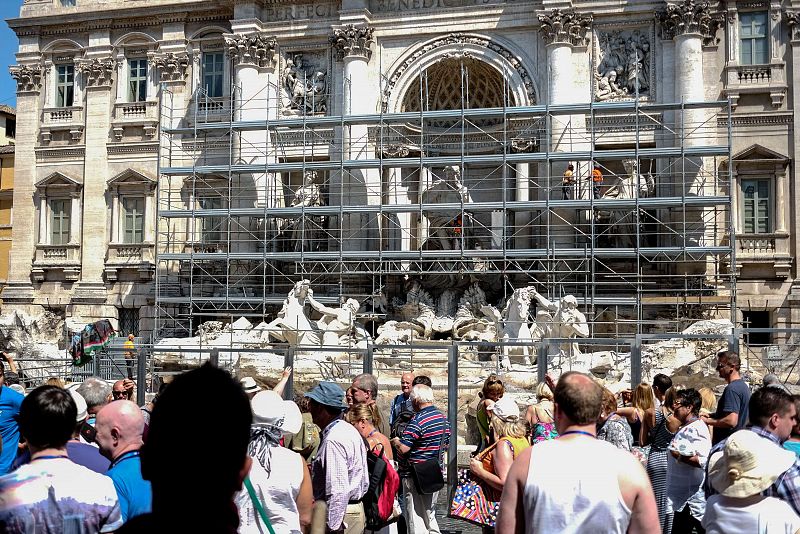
<point>255,49</point>
<point>172,67</point>
<point>353,41</point>
<point>565,27</point>
<point>28,77</point>
<point>97,71</point>
<point>793,22</point>
<point>689,16</point>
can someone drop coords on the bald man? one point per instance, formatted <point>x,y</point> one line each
<point>119,434</point>
<point>402,402</point>
<point>597,487</point>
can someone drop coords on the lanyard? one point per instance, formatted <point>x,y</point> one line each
<point>129,454</point>
<point>50,457</point>
<point>580,432</point>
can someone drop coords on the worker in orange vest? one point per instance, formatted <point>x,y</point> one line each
<point>597,181</point>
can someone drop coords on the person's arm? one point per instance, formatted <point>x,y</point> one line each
<point>400,447</point>
<point>279,387</point>
<point>12,365</point>
<point>673,423</point>
<point>501,463</point>
<point>305,499</point>
<point>511,518</point>
<point>644,513</point>
<point>729,421</point>
<point>693,461</point>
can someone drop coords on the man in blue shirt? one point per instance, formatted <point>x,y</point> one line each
<point>402,402</point>
<point>119,434</point>
<point>731,414</point>
<point>10,401</point>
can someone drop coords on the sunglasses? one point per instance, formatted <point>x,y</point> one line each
<point>119,393</point>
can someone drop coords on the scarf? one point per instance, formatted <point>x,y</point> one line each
<point>262,439</point>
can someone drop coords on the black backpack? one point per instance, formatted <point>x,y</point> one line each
<point>400,423</point>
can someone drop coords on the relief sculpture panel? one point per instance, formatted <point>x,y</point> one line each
<point>623,63</point>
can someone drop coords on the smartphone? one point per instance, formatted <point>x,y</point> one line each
<point>88,432</point>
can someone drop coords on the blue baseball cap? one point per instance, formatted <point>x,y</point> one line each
<point>329,394</point>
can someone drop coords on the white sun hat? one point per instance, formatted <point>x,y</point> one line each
<point>270,409</point>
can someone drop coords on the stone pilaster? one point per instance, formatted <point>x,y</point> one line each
<point>97,73</point>
<point>19,289</point>
<point>353,46</point>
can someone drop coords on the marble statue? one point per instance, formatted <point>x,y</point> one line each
<point>308,194</point>
<point>513,326</point>
<point>628,186</point>
<point>338,325</point>
<point>471,323</point>
<point>292,325</point>
<point>305,85</point>
<point>560,319</point>
<point>447,226</point>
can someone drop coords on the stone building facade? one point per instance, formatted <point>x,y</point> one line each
<point>90,74</point>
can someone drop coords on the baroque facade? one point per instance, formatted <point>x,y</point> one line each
<point>107,89</point>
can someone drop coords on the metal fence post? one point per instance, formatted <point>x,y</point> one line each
<point>214,357</point>
<point>367,359</point>
<point>141,375</point>
<point>452,418</point>
<point>636,362</point>
<point>541,360</point>
<point>288,361</point>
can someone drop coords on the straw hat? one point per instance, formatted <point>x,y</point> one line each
<point>748,465</point>
<point>270,409</point>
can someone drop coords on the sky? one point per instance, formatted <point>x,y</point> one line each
<point>8,47</point>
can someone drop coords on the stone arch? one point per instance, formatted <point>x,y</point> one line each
<point>63,45</point>
<point>491,51</point>
<point>135,38</point>
<point>207,31</point>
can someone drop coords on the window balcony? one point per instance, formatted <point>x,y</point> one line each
<point>135,114</point>
<point>62,119</point>
<point>766,250</point>
<point>756,79</point>
<point>210,109</point>
<point>132,256</point>
<point>64,258</point>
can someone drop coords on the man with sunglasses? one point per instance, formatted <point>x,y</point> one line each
<point>123,389</point>
<point>732,408</point>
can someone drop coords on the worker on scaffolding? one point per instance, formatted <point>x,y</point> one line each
<point>130,355</point>
<point>567,182</point>
<point>597,181</point>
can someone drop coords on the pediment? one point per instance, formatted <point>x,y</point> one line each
<point>131,177</point>
<point>757,152</point>
<point>58,179</point>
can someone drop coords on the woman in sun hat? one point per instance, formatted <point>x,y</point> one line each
<point>279,482</point>
<point>748,465</point>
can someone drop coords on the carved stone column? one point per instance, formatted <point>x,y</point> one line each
<point>565,33</point>
<point>353,46</point>
<point>19,290</point>
<point>98,75</point>
<point>256,97</point>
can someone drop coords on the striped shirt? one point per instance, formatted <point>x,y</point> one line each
<point>427,431</point>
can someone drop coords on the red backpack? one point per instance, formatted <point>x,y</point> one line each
<point>384,483</point>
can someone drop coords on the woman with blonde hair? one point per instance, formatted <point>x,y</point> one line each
<point>540,415</point>
<point>362,417</point>
<point>642,401</point>
<point>491,466</point>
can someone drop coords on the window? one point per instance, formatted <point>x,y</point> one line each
<point>60,209</point>
<point>65,85</point>
<point>213,73</point>
<point>756,319</point>
<point>211,227</point>
<point>68,3</point>
<point>129,321</point>
<point>133,219</point>
<point>755,194</point>
<point>11,128</point>
<point>754,39</point>
<point>137,80</point>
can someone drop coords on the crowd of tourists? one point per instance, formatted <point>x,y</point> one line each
<point>213,454</point>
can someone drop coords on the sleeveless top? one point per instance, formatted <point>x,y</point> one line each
<point>572,487</point>
<point>483,421</point>
<point>277,491</point>
<point>487,460</point>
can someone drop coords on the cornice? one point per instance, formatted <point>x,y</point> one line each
<point>757,119</point>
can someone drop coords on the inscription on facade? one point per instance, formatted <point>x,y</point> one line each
<point>299,12</point>
<point>398,6</point>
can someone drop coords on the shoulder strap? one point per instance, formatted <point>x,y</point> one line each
<point>257,503</point>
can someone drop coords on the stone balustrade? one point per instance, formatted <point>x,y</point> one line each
<point>62,119</point>
<point>138,114</point>
<point>767,250</point>
<point>134,256</point>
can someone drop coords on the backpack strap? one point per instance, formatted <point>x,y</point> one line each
<point>257,503</point>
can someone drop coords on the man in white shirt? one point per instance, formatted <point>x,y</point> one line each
<point>577,483</point>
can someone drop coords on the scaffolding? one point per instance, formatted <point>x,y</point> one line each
<point>252,199</point>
